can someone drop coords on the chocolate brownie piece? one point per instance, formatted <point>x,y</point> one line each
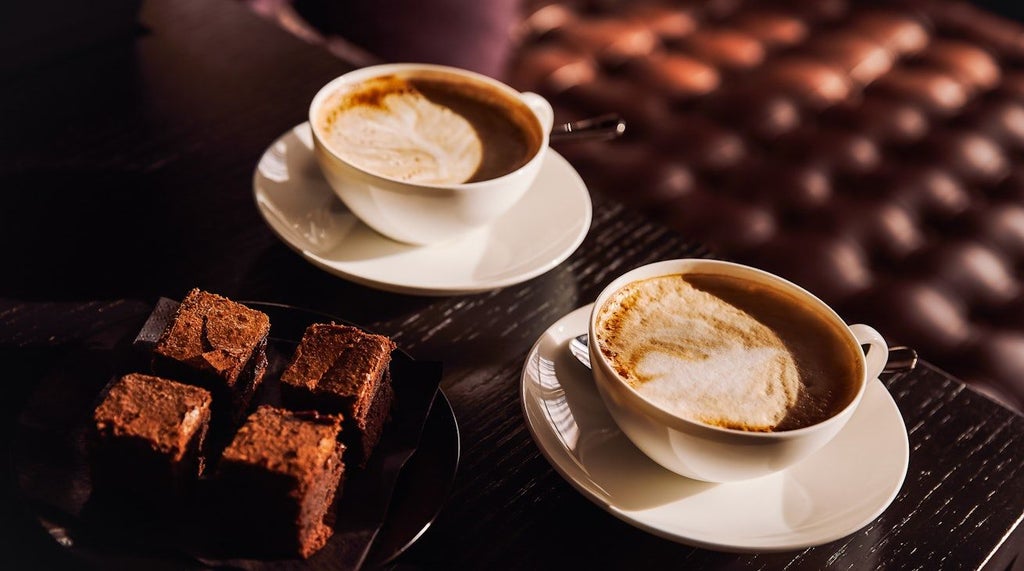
<point>343,369</point>
<point>147,435</point>
<point>279,476</point>
<point>217,344</point>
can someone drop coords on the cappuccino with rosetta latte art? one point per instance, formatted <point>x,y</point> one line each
<point>429,127</point>
<point>728,352</point>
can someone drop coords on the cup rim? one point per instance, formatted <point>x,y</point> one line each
<point>369,72</point>
<point>663,416</point>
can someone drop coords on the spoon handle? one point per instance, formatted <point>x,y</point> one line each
<point>592,129</point>
<point>901,359</point>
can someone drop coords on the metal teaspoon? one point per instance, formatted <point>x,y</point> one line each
<point>901,359</point>
<point>592,129</point>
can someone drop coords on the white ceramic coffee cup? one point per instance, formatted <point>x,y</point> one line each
<point>711,453</point>
<point>425,213</point>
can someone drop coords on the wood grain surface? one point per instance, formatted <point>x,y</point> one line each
<point>126,170</point>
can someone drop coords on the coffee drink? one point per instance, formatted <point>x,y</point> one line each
<point>729,352</point>
<point>429,127</point>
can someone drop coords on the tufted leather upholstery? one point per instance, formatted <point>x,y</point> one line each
<point>869,152</point>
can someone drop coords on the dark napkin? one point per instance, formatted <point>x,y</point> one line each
<point>52,473</point>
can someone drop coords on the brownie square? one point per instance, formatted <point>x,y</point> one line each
<point>217,344</point>
<point>338,369</point>
<point>147,435</point>
<point>279,477</point>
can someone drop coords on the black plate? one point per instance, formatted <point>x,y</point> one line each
<point>422,487</point>
<point>419,492</point>
<point>427,477</point>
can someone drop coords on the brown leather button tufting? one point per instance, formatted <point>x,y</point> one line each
<point>610,169</point>
<point>786,188</point>
<point>720,9</point>
<point>969,63</point>
<point>675,75</point>
<point>814,83</point>
<point>1002,226</point>
<point>701,143</point>
<point>1001,354</point>
<point>886,119</point>
<point>728,225</point>
<point>972,156</point>
<point>1008,316</point>
<point>820,11</point>
<point>656,180</point>
<point>975,272</point>
<point>762,114</point>
<point>884,228</point>
<point>669,23</point>
<point>775,29</point>
<point>611,40</point>
<point>916,313</point>
<point>552,69</point>
<point>899,32</point>
<point>986,29</point>
<point>1003,120</point>
<point>936,91</point>
<point>725,48</point>
<point>865,60</point>
<point>663,182</point>
<point>1012,187</point>
<point>547,18</point>
<point>829,265</point>
<point>840,150</point>
<point>1013,84</point>
<point>929,191</point>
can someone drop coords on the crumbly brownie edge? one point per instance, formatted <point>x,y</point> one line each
<point>364,434</point>
<point>249,381</point>
<point>316,519</point>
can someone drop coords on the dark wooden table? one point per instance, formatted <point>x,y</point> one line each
<point>125,170</point>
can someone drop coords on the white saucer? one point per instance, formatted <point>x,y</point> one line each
<point>832,494</point>
<point>541,231</point>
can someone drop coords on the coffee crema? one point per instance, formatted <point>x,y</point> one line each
<point>429,128</point>
<point>728,352</point>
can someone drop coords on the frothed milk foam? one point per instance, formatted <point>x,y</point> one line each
<point>427,130</point>
<point>710,349</point>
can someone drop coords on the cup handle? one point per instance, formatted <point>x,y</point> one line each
<point>541,108</point>
<point>878,350</point>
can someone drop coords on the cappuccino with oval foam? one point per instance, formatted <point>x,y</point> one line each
<point>728,352</point>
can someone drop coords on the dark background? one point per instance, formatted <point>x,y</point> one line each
<point>29,41</point>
